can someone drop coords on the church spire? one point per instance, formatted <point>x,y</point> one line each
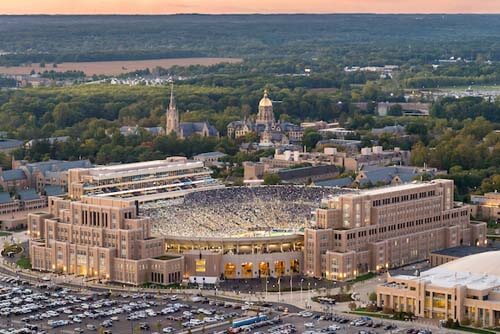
<point>172,99</point>
<point>172,125</point>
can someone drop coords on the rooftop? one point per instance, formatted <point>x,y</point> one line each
<point>6,144</point>
<point>210,155</point>
<point>151,166</point>
<point>475,271</point>
<point>462,251</point>
<point>402,187</point>
<point>28,195</point>
<point>13,175</point>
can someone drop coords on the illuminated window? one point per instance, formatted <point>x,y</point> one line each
<point>200,266</point>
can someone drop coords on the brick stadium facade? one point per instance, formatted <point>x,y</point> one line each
<point>355,233</point>
<point>387,227</point>
<point>102,238</point>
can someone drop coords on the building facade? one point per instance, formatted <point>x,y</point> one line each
<point>387,227</point>
<point>466,290</point>
<point>486,206</point>
<point>102,238</point>
<point>185,129</point>
<point>270,131</point>
<point>142,181</point>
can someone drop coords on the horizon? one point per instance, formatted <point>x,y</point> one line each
<point>244,7</point>
<point>250,14</point>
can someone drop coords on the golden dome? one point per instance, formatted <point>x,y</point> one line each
<point>265,101</point>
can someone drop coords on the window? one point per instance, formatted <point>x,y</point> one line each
<point>200,266</point>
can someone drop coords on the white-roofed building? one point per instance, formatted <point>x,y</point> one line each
<point>467,289</point>
<point>142,181</point>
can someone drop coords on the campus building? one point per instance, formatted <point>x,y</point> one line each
<point>467,290</point>
<point>185,130</point>
<point>142,181</point>
<point>486,206</point>
<point>102,238</point>
<point>351,233</point>
<point>386,227</point>
<point>272,133</point>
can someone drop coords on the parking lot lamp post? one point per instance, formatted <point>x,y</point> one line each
<point>308,293</point>
<point>267,282</point>
<point>279,288</point>
<point>301,281</point>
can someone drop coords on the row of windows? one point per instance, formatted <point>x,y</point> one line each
<point>404,198</point>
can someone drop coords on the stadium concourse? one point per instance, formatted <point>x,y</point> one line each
<point>237,211</point>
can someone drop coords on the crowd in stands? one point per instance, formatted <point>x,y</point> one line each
<point>237,211</point>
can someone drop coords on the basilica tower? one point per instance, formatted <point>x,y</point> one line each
<point>172,125</point>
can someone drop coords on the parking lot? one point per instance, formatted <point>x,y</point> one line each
<point>306,322</point>
<point>26,308</point>
<point>45,308</point>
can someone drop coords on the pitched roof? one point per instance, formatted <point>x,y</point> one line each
<point>5,198</point>
<point>57,165</point>
<point>190,128</point>
<point>6,144</point>
<point>387,174</point>
<point>343,182</point>
<point>54,190</point>
<point>13,175</point>
<point>28,195</point>
<point>295,173</point>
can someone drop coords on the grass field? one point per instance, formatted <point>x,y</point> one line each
<point>116,67</point>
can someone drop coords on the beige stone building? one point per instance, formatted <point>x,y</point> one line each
<point>142,181</point>
<point>486,206</point>
<point>239,257</point>
<point>103,238</point>
<point>387,227</point>
<point>467,290</point>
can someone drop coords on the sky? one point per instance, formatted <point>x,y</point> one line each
<point>245,6</point>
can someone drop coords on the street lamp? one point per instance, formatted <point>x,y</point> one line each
<point>308,293</point>
<point>279,288</point>
<point>301,281</point>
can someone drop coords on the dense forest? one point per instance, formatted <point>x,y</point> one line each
<point>346,39</point>
<point>458,137</point>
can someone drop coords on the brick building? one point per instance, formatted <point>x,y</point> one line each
<point>386,227</point>
<point>103,238</point>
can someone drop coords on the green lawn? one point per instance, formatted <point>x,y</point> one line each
<point>373,314</point>
<point>474,330</point>
<point>363,277</point>
<point>4,234</point>
<point>24,262</point>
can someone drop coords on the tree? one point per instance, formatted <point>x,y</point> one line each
<point>372,297</point>
<point>371,91</point>
<point>352,306</point>
<point>311,138</point>
<point>395,110</point>
<point>271,179</point>
<point>419,154</point>
<point>491,184</point>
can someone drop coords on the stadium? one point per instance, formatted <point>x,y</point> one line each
<point>238,232</point>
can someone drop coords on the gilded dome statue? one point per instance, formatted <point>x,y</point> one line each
<point>266,114</point>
